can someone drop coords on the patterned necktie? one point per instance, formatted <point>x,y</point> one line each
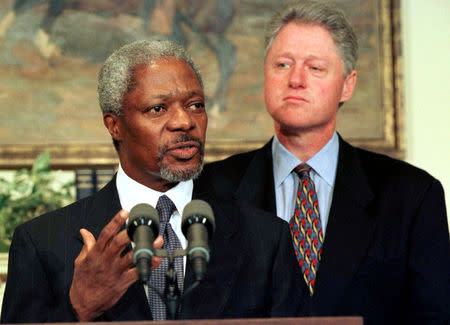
<point>165,209</point>
<point>306,228</point>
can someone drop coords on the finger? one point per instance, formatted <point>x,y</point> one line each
<point>89,243</point>
<point>159,241</point>
<point>111,229</point>
<point>117,244</point>
<point>126,261</point>
<point>155,262</point>
<point>129,277</point>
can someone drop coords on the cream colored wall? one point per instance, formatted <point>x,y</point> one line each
<point>426,53</point>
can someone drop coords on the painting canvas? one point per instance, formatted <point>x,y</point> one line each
<point>51,51</point>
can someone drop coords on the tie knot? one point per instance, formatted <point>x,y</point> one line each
<point>302,170</point>
<point>165,208</point>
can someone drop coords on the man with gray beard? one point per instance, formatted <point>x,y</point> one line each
<point>72,264</point>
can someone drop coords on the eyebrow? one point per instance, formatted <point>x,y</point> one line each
<point>172,93</point>
<point>289,55</point>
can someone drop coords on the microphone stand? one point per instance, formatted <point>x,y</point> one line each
<point>172,293</point>
<point>172,296</point>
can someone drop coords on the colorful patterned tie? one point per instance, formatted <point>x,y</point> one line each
<point>165,209</point>
<point>306,228</point>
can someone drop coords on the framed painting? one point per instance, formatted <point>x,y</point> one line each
<point>51,51</point>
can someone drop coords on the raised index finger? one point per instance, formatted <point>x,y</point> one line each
<point>111,229</point>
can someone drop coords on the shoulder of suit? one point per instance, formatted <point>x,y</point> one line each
<point>235,165</point>
<point>54,220</point>
<point>68,215</point>
<point>381,166</point>
<point>230,162</point>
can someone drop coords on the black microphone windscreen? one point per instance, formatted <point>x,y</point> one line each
<point>138,214</point>
<point>198,208</point>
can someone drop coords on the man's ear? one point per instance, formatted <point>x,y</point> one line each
<point>112,123</point>
<point>349,86</point>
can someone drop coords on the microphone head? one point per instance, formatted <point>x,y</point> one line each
<point>198,211</point>
<point>143,214</point>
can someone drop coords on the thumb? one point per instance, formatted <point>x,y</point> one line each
<point>88,240</point>
<point>159,241</point>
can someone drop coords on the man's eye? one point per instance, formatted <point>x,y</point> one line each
<point>196,106</point>
<point>154,109</point>
<point>316,68</point>
<point>283,65</point>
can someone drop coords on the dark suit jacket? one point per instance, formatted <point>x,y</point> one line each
<point>386,250</point>
<point>252,271</point>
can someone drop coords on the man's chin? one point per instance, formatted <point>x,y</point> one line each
<point>180,174</point>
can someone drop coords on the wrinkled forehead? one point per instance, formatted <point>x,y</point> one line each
<point>165,73</point>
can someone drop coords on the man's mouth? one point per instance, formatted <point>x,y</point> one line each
<point>184,147</point>
<point>295,99</point>
<point>184,150</point>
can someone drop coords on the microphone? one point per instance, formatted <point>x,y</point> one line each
<point>198,226</point>
<point>142,228</point>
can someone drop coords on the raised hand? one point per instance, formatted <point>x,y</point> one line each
<point>101,275</point>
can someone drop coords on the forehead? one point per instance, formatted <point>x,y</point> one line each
<point>165,73</point>
<point>300,37</point>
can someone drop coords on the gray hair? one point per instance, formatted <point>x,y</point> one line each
<point>115,78</point>
<point>322,14</point>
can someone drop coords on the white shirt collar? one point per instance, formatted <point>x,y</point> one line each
<point>132,192</point>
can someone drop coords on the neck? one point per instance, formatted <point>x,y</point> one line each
<point>303,144</point>
<point>148,179</point>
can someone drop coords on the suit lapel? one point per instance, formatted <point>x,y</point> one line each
<point>211,296</point>
<point>348,234</point>
<point>257,185</point>
<point>105,205</point>
<point>134,303</point>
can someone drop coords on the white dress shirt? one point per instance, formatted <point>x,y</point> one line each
<point>132,193</point>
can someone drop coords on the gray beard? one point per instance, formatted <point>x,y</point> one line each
<point>174,175</point>
<point>179,175</point>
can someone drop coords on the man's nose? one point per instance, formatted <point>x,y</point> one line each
<point>180,119</point>
<point>297,77</point>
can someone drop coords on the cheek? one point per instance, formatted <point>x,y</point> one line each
<point>334,89</point>
<point>321,87</point>
<point>202,134</point>
<point>271,90</point>
<point>325,93</point>
<point>147,138</point>
<point>202,123</point>
<point>272,81</point>
<point>149,148</point>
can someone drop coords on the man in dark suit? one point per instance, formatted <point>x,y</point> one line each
<point>72,264</point>
<point>370,232</point>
